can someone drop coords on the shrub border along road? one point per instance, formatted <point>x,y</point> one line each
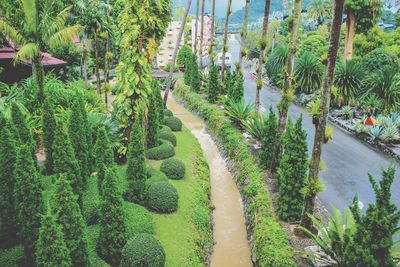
<point>270,246</point>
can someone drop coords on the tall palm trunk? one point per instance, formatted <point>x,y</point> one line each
<point>286,93</point>
<point>201,34</point>
<point>243,33</point>
<point>212,27</point>
<point>261,58</point>
<point>350,31</point>
<point>178,41</point>
<point>320,123</point>
<point>96,59</point>
<point>84,59</point>
<point>196,26</point>
<point>38,72</point>
<point>225,48</point>
<point>107,67</point>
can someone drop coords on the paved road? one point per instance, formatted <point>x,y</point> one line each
<point>347,159</point>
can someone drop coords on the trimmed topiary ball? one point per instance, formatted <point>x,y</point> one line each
<point>143,250</point>
<point>165,128</point>
<point>174,123</point>
<point>169,136</point>
<point>154,176</point>
<point>173,168</point>
<point>168,113</point>
<point>162,197</point>
<point>163,151</point>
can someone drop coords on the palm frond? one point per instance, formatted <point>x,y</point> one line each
<point>55,24</point>
<point>31,15</point>
<point>28,51</point>
<point>64,36</point>
<point>8,31</point>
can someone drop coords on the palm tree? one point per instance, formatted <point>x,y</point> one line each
<point>196,26</point>
<point>261,59</point>
<point>348,80</point>
<point>225,48</point>
<point>177,43</point>
<point>41,29</point>
<point>308,73</point>
<point>243,33</point>
<point>287,92</point>
<point>212,27</point>
<point>320,121</point>
<point>319,10</point>
<point>201,34</point>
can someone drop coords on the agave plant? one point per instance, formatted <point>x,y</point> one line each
<point>390,134</point>
<point>361,128</point>
<point>308,73</point>
<point>347,112</point>
<point>384,122</point>
<point>375,132</point>
<point>333,236</point>
<point>256,126</point>
<point>348,80</point>
<point>239,112</point>
<point>395,118</point>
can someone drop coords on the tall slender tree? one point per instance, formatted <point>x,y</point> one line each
<point>41,29</point>
<point>69,216</point>
<point>28,202</point>
<point>287,92</point>
<point>243,33</point>
<point>48,125</point>
<point>104,155</point>
<point>7,180</point>
<point>261,59</point>
<point>178,40</point>
<point>50,247</point>
<point>320,122</point>
<point>201,34</point>
<point>225,44</point>
<point>212,28</point>
<point>196,27</point>
<point>153,122</point>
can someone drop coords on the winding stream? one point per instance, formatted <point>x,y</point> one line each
<point>231,247</point>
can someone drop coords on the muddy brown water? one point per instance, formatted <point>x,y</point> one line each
<point>231,247</point>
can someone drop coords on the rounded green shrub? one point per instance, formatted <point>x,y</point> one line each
<point>162,197</point>
<point>174,123</point>
<point>173,168</point>
<point>163,151</point>
<point>169,136</point>
<point>167,113</point>
<point>138,219</point>
<point>155,176</point>
<point>143,250</point>
<point>165,128</point>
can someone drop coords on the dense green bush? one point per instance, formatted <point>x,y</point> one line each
<point>173,168</point>
<point>169,136</point>
<point>378,58</point>
<point>138,219</point>
<point>271,246</point>
<point>143,250</point>
<point>174,123</point>
<point>162,197</point>
<point>48,128</point>
<point>163,151</point>
<point>167,113</point>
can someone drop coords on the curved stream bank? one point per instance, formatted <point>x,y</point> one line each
<point>231,246</point>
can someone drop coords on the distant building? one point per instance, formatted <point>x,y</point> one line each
<point>167,45</point>
<point>207,36</point>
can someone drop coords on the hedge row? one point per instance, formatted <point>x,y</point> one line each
<point>270,243</point>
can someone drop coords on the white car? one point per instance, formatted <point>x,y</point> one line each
<point>228,60</point>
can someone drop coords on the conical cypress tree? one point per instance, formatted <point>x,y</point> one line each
<point>89,136</point>
<point>24,133</point>
<point>267,150</point>
<point>7,165</point>
<point>373,240</point>
<point>228,81</point>
<point>153,126</point>
<point>70,218</point>
<point>51,250</point>
<point>65,162</point>
<point>189,70</point>
<point>48,125</point>
<point>78,135</point>
<point>104,155</point>
<point>136,171</point>
<point>213,84</point>
<point>113,235</point>
<point>28,201</point>
<point>292,172</point>
<point>159,103</point>
<point>195,81</point>
<point>236,91</point>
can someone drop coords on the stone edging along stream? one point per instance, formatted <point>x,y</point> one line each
<point>269,243</point>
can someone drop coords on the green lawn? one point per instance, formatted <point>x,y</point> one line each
<point>184,234</point>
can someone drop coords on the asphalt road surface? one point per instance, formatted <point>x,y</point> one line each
<point>348,160</point>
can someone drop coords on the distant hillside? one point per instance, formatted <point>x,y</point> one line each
<point>257,10</point>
